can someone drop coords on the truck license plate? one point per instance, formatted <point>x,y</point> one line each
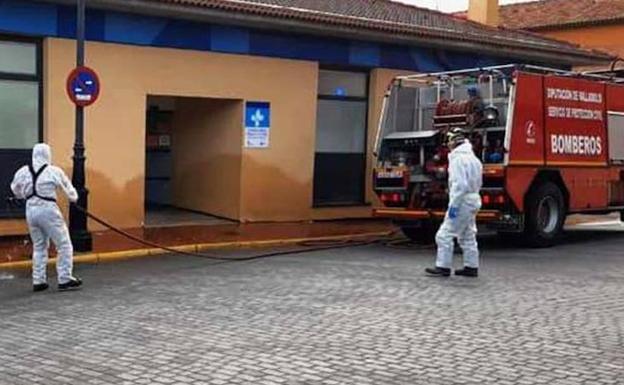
<point>390,174</point>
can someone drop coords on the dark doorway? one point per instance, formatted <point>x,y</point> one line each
<point>340,158</point>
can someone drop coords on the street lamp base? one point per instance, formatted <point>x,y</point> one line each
<point>82,241</point>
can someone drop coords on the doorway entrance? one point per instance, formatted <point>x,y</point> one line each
<point>189,143</point>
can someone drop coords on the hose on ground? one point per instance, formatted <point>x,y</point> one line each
<point>311,246</point>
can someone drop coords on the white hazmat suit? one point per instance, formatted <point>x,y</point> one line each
<point>45,221</point>
<point>465,178</point>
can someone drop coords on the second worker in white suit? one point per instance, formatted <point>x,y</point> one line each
<point>465,178</point>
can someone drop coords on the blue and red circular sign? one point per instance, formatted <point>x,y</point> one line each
<point>83,86</point>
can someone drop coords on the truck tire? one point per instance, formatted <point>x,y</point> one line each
<point>422,233</point>
<point>545,215</point>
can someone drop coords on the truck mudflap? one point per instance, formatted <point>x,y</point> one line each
<point>483,216</point>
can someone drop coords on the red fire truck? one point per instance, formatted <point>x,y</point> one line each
<point>551,141</point>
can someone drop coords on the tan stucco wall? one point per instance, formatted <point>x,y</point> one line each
<point>276,182</point>
<point>206,155</point>
<point>608,37</point>
<point>10,227</point>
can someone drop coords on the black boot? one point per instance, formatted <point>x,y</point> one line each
<point>72,284</point>
<point>468,272</point>
<point>438,271</point>
<point>40,287</point>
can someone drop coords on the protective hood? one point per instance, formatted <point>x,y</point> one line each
<point>464,148</point>
<point>41,155</point>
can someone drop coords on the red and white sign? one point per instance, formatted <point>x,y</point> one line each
<point>83,86</point>
<point>575,120</point>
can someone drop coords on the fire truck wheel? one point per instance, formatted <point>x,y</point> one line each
<point>545,215</point>
<point>422,233</point>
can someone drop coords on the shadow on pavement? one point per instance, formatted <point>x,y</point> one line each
<point>575,236</point>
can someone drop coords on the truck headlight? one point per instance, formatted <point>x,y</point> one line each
<point>490,113</point>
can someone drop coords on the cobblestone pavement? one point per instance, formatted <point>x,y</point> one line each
<point>363,315</point>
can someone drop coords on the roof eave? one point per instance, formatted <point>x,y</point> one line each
<point>576,24</point>
<point>424,37</point>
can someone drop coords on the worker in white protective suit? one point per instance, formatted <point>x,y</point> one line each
<point>465,178</point>
<point>37,184</point>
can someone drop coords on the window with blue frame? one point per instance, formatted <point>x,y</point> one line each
<point>340,158</point>
<point>20,110</point>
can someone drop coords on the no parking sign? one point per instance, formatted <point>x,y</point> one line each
<point>83,86</point>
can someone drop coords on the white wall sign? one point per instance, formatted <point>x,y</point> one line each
<point>257,124</point>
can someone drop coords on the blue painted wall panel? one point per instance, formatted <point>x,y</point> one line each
<point>428,60</point>
<point>184,34</point>
<point>43,19</point>
<point>398,57</point>
<point>96,25</point>
<point>229,39</point>
<point>28,18</point>
<point>66,25</point>
<point>266,44</point>
<point>365,54</point>
<point>328,51</point>
<point>133,29</point>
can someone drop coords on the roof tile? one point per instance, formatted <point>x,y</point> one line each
<point>551,13</point>
<point>386,16</point>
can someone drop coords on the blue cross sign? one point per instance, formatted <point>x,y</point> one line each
<point>257,124</point>
<point>83,86</point>
<point>258,114</point>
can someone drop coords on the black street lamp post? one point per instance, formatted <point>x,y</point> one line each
<point>80,235</point>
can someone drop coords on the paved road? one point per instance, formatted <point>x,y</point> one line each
<point>353,316</point>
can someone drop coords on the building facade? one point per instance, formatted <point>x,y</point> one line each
<point>254,111</point>
<point>589,23</point>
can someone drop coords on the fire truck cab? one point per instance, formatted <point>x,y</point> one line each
<point>551,142</point>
